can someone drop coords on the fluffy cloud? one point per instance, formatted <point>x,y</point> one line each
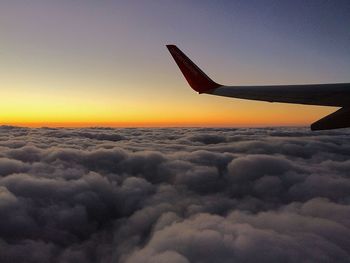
<point>174,195</point>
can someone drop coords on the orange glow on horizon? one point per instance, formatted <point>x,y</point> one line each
<point>160,124</point>
<point>240,117</point>
<point>124,106</point>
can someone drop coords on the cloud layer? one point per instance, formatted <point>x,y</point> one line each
<point>174,195</point>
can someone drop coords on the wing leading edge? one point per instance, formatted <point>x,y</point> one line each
<point>337,94</point>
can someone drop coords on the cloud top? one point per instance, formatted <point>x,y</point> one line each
<point>174,195</point>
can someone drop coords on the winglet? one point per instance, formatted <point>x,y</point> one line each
<point>197,79</point>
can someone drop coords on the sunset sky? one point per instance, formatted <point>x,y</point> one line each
<point>91,63</point>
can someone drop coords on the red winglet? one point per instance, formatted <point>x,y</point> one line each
<point>197,79</point>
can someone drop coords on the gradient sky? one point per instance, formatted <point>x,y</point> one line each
<point>87,62</point>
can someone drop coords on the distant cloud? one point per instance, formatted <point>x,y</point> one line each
<point>174,195</point>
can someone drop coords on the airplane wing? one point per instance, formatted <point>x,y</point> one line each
<point>337,94</point>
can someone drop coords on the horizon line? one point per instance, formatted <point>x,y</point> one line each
<point>141,125</point>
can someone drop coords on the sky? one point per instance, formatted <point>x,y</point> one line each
<point>104,63</point>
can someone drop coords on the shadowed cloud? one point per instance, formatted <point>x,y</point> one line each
<point>174,195</point>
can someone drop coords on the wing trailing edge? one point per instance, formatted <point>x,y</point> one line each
<point>336,120</point>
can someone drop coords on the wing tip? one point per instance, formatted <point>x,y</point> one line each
<point>195,77</point>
